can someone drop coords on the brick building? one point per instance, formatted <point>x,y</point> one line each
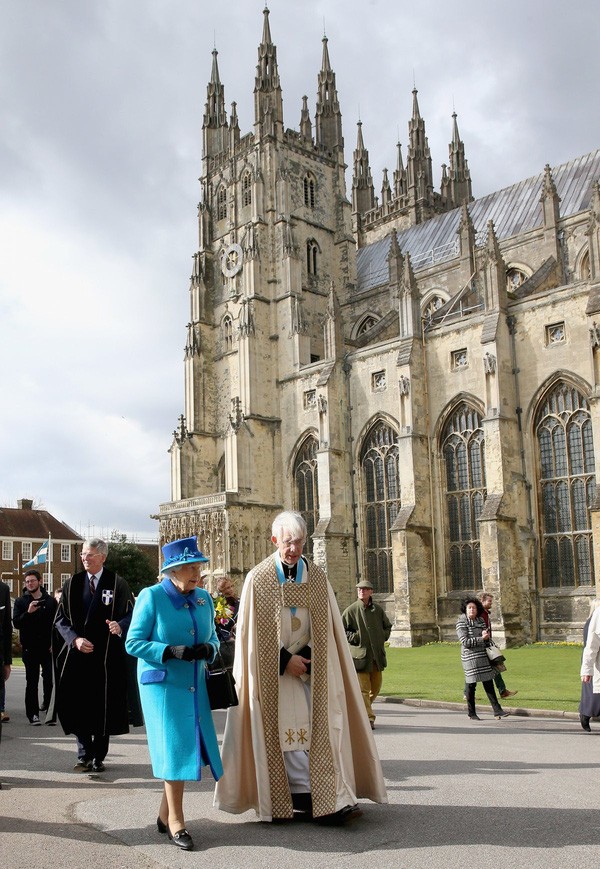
<point>22,531</point>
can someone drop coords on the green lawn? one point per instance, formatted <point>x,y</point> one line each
<point>545,675</point>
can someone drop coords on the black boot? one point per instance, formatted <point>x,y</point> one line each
<point>585,723</point>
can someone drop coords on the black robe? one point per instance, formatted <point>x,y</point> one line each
<point>92,689</point>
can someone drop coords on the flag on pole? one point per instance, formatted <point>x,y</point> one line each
<point>40,557</point>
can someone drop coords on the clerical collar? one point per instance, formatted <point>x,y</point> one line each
<point>290,572</point>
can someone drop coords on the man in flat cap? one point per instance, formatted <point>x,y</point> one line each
<point>367,629</point>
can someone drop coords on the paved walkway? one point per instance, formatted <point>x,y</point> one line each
<point>518,792</point>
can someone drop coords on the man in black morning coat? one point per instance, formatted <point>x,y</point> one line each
<point>92,619</point>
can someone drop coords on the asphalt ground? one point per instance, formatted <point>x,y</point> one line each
<point>520,792</point>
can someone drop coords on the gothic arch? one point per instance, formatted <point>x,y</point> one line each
<point>227,332</point>
<point>516,274</point>
<point>313,253</point>
<point>563,444</point>
<point>567,377</point>
<point>306,483</point>
<point>246,182</point>
<point>461,455</point>
<point>582,264</point>
<point>364,323</point>
<point>309,189</point>
<point>379,499</point>
<point>432,300</point>
<point>221,201</point>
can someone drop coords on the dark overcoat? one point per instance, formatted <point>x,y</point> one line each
<point>473,656</point>
<point>91,690</point>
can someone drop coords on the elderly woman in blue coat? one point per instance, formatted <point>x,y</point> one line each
<point>172,634</point>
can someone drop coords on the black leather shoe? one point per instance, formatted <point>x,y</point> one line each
<point>501,714</point>
<point>585,723</point>
<point>474,717</point>
<point>98,766</point>
<point>339,818</point>
<point>160,826</point>
<point>182,839</point>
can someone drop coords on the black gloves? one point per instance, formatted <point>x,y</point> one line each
<point>198,652</point>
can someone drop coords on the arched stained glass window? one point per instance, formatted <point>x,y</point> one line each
<point>380,503</point>
<point>563,429</point>
<point>464,459</point>
<point>307,490</point>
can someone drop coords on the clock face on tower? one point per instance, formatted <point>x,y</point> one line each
<point>232,260</point>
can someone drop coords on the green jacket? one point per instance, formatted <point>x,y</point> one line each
<point>369,628</point>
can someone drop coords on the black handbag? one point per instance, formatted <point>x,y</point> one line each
<point>220,686</point>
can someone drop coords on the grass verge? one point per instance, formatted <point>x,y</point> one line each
<point>545,675</point>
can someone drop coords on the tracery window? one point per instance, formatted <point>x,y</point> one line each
<point>312,251</point>
<point>221,202</point>
<point>246,189</point>
<point>366,324</point>
<point>463,452</point>
<point>307,490</point>
<point>567,482</point>
<point>380,493</point>
<point>227,327</point>
<point>514,278</point>
<point>433,305</point>
<point>309,191</point>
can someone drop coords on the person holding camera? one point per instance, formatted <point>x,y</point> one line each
<point>33,615</point>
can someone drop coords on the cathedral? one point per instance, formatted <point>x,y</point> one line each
<point>416,372</point>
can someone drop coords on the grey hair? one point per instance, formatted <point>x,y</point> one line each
<point>96,543</point>
<point>289,521</point>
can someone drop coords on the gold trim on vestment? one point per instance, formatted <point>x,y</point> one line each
<point>270,597</point>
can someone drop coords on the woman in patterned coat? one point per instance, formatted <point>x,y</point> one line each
<point>172,633</point>
<point>474,638</point>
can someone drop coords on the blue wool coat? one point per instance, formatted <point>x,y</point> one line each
<point>179,724</point>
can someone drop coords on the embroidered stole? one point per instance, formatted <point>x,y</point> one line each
<point>270,597</point>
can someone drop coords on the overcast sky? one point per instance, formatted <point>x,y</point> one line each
<point>101,106</point>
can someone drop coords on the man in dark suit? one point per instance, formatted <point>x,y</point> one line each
<point>93,618</point>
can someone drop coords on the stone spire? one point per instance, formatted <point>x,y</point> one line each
<point>268,101</point>
<point>459,175</point>
<point>328,118</point>
<point>386,191</point>
<point>234,127</point>
<point>214,126</point>
<point>363,192</point>
<point>418,166</point>
<point>305,124</point>
<point>399,175</point>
